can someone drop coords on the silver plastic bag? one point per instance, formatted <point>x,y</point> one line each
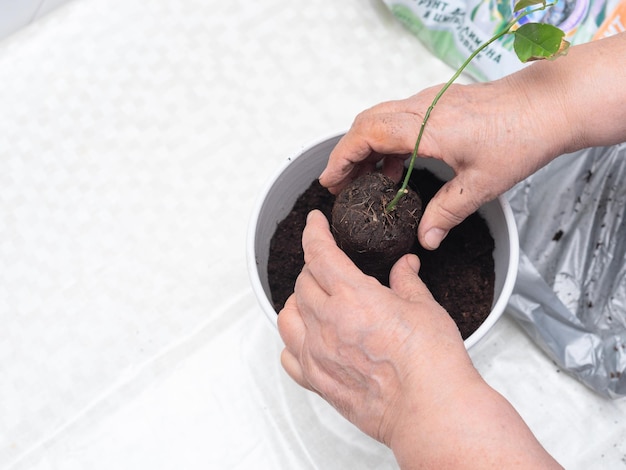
<point>570,295</point>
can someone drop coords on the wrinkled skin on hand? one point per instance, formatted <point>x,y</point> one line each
<point>393,363</point>
<point>365,348</point>
<point>493,134</point>
<point>473,129</point>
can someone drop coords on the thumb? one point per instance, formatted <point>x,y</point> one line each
<point>448,208</point>
<point>404,279</point>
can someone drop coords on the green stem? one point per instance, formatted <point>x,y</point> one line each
<point>403,189</point>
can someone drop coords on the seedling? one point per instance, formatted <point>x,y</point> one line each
<point>532,41</point>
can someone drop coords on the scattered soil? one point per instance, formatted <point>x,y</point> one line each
<point>557,236</point>
<point>460,273</point>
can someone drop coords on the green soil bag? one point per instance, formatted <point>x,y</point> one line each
<point>453,29</point>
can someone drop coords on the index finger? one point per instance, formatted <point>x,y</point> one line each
<point>373,136</point>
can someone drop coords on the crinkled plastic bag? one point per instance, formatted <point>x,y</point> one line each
<point>570,294</point>
<point>453,29</point>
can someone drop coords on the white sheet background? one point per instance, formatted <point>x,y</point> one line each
<point>134,138</point>
<point>15,14</point>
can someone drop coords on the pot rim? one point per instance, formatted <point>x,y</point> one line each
<point>498,308</point>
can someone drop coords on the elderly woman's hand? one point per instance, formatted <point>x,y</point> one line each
<point>393,362</point>
<point>494,134</point>
<point>373,352</point>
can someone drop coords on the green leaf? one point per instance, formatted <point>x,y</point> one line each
<point>534,41</point>
<point>519,6</point>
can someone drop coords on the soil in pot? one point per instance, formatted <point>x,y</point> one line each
<point>460,273</point>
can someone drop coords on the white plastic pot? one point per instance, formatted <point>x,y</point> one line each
<point>300,170</point>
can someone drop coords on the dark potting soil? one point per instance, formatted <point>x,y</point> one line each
<point>460,273</point>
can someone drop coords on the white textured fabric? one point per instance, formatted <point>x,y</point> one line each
<point>135,137</point>
<point>15,14</point>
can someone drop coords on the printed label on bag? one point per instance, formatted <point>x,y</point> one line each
<point>453,29</point>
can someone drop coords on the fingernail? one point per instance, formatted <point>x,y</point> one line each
<point>433,238</point>
<point>414,263</point>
